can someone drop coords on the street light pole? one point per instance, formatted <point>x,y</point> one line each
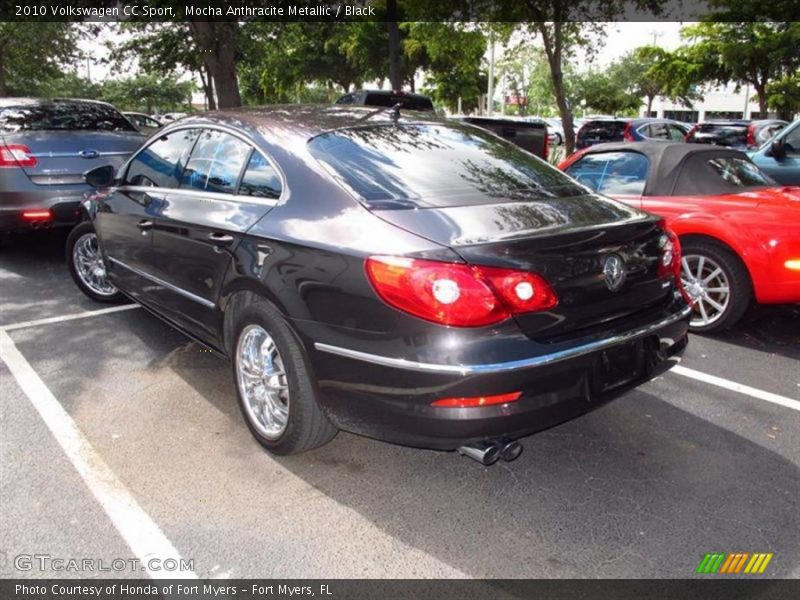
<point>491,76</point>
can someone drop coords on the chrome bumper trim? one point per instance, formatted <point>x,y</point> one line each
<point>525,363</point>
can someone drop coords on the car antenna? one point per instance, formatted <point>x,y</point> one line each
<point>393,110</point>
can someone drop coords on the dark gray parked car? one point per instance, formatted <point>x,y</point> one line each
<point>45,148</point>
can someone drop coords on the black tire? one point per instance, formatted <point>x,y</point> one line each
<point>558,139</point>
<point>739,284</point>
<point>307,426</point>
<point>81,231</point>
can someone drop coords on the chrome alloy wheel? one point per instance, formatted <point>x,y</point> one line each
<point>707,284</point>
<point>89,265</point>
<point>261,377</point>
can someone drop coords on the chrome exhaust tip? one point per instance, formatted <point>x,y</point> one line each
<point>485,453</point>
<point>509,449</point>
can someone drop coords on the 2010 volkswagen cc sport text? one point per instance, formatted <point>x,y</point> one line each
<point>387,273</point>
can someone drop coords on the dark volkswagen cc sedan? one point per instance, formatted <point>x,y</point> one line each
<point>413,279</point>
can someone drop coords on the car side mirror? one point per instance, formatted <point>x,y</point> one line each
<point>100,177</point>
<point>778,149</point>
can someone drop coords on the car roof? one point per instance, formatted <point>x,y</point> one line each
<point>306,120</point>
<point>23,101</point>
<point>678,168</point>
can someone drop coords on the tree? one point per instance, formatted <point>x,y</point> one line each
<point>783,96</point>
<point>31,53</point>
<point>147,92</point>
<point>451,55</point>
<point>563,26</point>
<point>751,53</point>
<point>607,92</point>
<point>163,49</point>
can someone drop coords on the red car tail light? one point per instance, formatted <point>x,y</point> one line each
<point>670,261</point>
<point>627,135</point>
<point>455,293</point>
<point>36,214</point>
<point>751,135</point>
<point>473,401</point>
<point>16,155</point>
<point>691,133</point>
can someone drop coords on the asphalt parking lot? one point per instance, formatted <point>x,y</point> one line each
<point>642,487</point>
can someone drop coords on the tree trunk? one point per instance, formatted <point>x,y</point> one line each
<point>208,88</point>
<point>553,49</point>
<point>650,105</point>
<point>3,88</point>
<point>217,42</point>
<point>394,45</point>
<point>761,90</point>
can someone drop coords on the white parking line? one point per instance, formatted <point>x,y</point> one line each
<point>737,387</point>
<point>80,315</point>
<point>135,526</point>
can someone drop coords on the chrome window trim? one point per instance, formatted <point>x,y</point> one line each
<point>483,369</point>
<point>214,195</point>
<point>166,284</point>
<point>75,154</point>
<point>192,192</point>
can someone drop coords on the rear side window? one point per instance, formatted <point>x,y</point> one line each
<point>161,163</point>
<point>739,172</point>
<point>216,162</point>
<point>599,132</point>
<point>425,165</point>
<point>260,179</point>
<point>612,173</point>
<point>63,116</point>
<point>719,134</point>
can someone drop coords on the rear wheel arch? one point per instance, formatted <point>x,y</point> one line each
<point>721,299</point>
<point>686,238</point>
<point>235,300</point>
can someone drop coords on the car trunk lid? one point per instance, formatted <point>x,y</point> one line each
<point>63,156</point>
<point>576,244</point>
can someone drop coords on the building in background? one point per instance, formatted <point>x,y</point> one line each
<point>718,103</point>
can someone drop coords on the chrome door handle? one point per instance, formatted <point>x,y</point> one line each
<point>220,238</point>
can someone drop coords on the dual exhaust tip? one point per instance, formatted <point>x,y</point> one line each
<point>488,453</point>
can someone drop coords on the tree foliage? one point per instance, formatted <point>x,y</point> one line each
<point>32,53</point>
<point>744,53</point>
<point>146,93</point>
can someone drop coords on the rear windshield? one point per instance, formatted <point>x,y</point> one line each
<point>408,102</point>
<point>441,165</point>
<point>721,134</point>
<point>740,172</point>
<point>603,131</point>
<point>64,116</point>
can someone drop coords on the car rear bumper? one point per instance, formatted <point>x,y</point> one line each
<point>390,399</point>
<point>63,206</point>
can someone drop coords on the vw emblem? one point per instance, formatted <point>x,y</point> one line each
<point>614,271</point>
<point>89,154</point>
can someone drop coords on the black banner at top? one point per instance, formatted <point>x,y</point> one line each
<point>407,10</point>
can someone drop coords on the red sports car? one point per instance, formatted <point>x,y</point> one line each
<point>740,231</point>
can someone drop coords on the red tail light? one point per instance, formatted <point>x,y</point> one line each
<point>627,135</point>
<point>546,151</point>
<point>691,133</point>
<point>16,155</point>
<point>473,401</point>
<point>670,261</point>
<point>455,293</point>
<point>36,214</point>
<point>751,135</point>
